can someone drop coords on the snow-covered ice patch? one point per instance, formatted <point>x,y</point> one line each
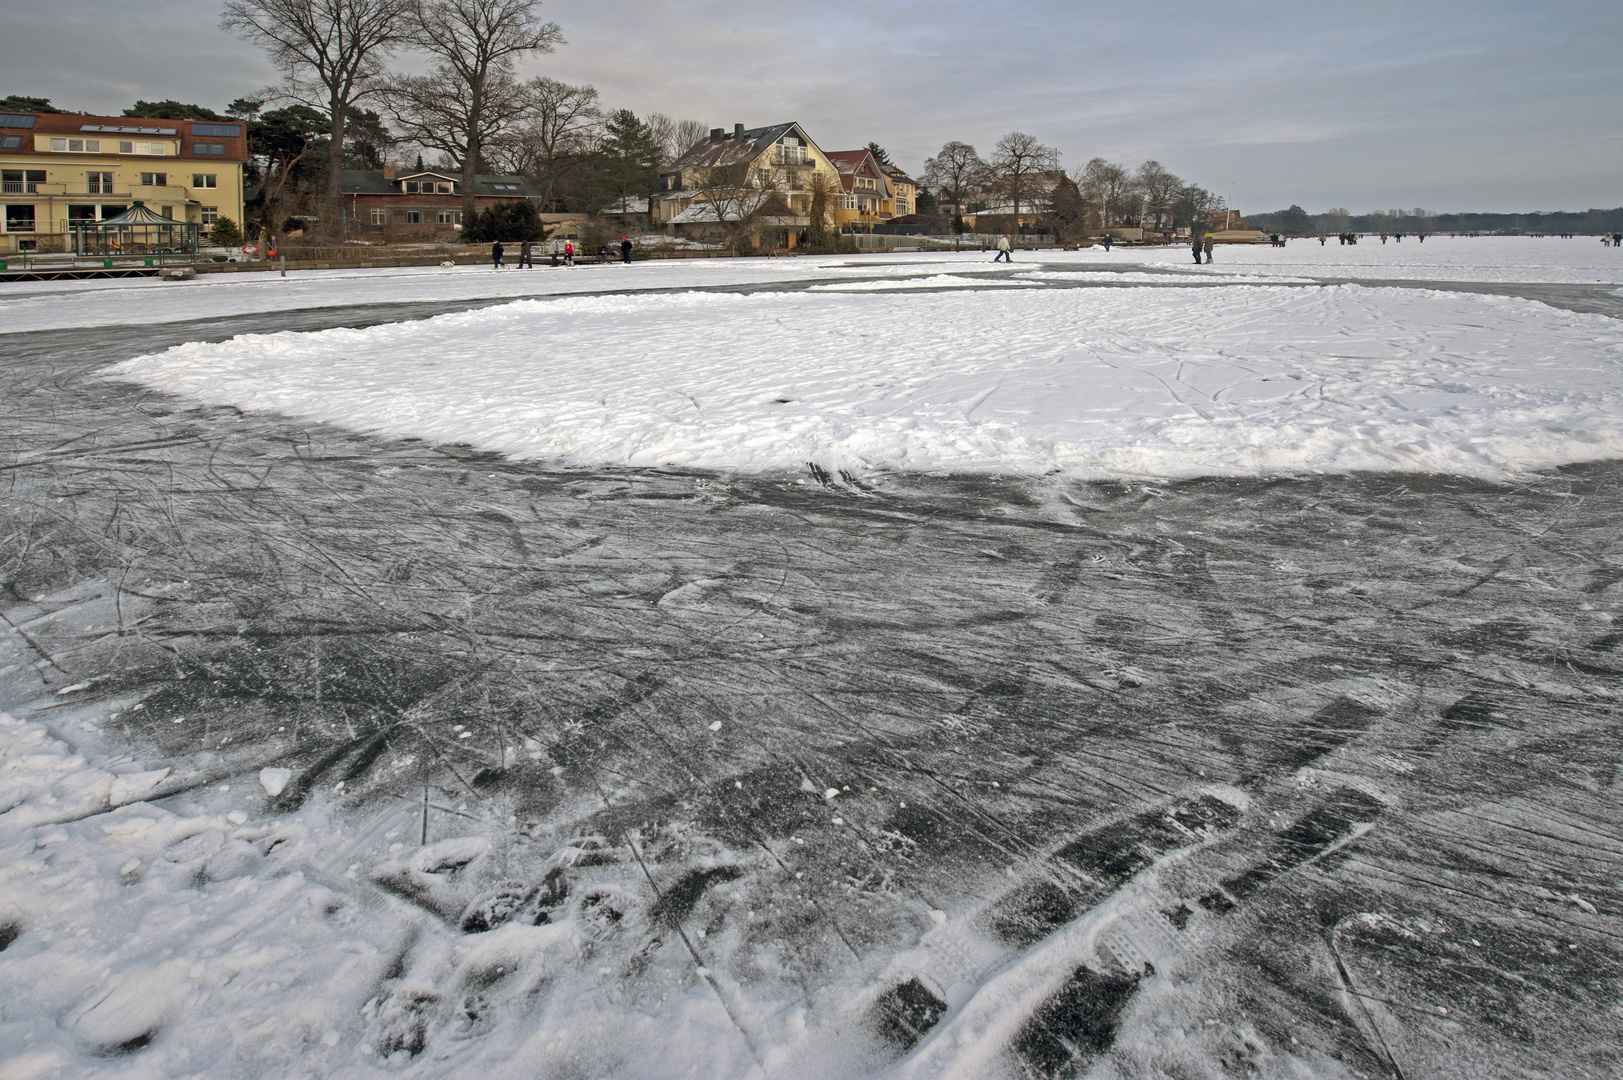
<point>1137,381</point>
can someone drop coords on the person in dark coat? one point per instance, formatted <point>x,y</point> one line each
<point>1208,247</point>
<point>496,255</point>
<point>524,256</point>
<point>625,248</point>
<point>1107,241</point>
<point>1194,244</point>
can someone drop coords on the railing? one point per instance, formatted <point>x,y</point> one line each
<point>791,155</point>
<point>17,187</point>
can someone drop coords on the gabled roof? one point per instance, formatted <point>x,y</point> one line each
<point>140,214</point>
<point>735,148</point>
<point>851,163</point>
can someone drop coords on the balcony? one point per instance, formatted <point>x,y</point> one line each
<point>791,155</point>
<point>18,187</point>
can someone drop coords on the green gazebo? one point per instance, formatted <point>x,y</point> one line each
<point>138,233</point>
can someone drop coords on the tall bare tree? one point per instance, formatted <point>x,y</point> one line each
<point>1158,189</point>
<point>955,174</point>
<point>1104,187</point>
<point>1016,163</point>
<point>557,131</point>
<point>331,54</point>
<point>476,43</point>
<point>435,112</point>
<point>740,197</point>
<point>675,137</point>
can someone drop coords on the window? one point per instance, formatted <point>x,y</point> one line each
<point>11,142</point>
<point>445,217</point>
<point>411,187</point>
<point>208,149</point>
<point>154,179</point>
<point>17,181</point>
<point>380,216</point>
<point>112,211</point>
<point>76,146</point>
<point>19,219</point>
<point>205,180</point>
<point>148,149</point>
<point>218,131</point>
<point>99,183</point>
<point>81,215</point>
<point>167,211</point>
<point>445,189</point>
<point>211,214</point>
<point>414,217</point>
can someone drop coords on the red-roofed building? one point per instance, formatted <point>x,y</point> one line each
<point>870,195</point>
<point>59,170</point>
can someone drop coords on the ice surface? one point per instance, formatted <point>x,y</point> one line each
<point>1090,382</point>
<point>663,772</point>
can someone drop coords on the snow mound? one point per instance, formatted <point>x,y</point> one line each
<point>1092,383</point>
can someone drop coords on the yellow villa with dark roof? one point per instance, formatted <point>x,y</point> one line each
<point>58,171</point>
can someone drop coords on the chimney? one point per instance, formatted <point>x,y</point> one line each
<point>738,131</point>
<point>715,134</point>
<point>388,172</point>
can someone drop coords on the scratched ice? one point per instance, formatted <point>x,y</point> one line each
<point>352,755</point>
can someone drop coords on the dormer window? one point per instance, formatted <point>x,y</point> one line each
<point>411,187</point>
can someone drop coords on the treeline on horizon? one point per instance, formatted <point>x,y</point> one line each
<point>1298,222</point>
<point>595,157</point>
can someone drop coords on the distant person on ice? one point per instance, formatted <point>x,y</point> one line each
<point>524,256</point>
<point>625,249</point>
<point>1003,250</point>
<point>1194,245</point>
<point>569,253</point>
<point>1208,246</point>
<point>496,255</point>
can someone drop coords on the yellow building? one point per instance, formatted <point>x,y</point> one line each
<point>722,176</point>
<point>905,191</point>
<point>57,171</point>
<point>869,197</point>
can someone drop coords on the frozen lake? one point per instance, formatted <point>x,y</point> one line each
<point>358,725</point>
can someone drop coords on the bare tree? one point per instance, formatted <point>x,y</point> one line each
<point>1018,160</point>
<point>476,43</point>
<point>675,137</point>
<point>740,196</point>
<point>1158,189</point>
<point>955,174</point>
<point>331,54</point>
<point>435,113</point>
<point>558,129</point>
<point>1104,187</point>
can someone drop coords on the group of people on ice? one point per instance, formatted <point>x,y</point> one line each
<point>568,253</point>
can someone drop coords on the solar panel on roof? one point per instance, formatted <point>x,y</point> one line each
<point>16,120</point>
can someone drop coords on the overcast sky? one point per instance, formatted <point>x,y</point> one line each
<point>1502,105</point>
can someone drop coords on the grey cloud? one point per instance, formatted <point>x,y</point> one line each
<point>1452,104</point>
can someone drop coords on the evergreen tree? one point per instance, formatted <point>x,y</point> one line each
<point>879,152</point>
<point>170,109</point>
<point>628,161</point>
<point>18,103</point>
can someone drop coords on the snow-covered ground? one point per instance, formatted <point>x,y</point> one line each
<point>937,364</point>
<point>130,301</point>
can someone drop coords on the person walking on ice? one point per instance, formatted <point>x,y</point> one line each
<point>1003,249</point>
<point>1194,245</point>
<point>496,255</point>
<point>524,261</point>
<point>625,249</point>
<point>1208,247</point>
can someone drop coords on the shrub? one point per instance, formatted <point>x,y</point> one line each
<point>506,222</point>
<point>224,232</point>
